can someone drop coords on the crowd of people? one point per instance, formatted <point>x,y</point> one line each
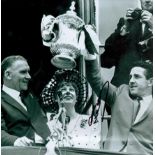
<point>25,122</point>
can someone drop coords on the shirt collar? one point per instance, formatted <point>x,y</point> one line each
<point>147,98</point>
<point>10,91</point>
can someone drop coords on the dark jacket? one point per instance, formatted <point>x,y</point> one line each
<point>122,51</point>
<point>17,122</point>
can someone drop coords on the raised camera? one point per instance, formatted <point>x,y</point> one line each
<point>136,14</point>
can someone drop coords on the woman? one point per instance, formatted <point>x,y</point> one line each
<point>67,93</point>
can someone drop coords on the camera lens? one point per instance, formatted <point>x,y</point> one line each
<point>136,14</point>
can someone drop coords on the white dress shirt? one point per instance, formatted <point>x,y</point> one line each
<point>14,94</point>
<point>143,28</point>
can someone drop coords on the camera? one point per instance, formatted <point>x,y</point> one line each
<point>136,14</point>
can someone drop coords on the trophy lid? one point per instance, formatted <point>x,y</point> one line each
<point>71,18</point>
<point>72,8</point>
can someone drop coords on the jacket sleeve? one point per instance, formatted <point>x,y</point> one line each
<point>115,45</point>
<point>98,83</point>
<point>6,138</point>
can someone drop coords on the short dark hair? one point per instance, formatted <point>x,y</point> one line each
<point>147,65</point>
<point>8,61</point>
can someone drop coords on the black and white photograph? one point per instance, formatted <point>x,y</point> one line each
<point>77,77</point>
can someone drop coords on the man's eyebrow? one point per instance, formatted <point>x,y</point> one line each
<point>25,70</point>
<point>137,74</point>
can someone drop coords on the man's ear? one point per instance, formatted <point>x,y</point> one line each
<point>150,82</point>
<point>7,74</point>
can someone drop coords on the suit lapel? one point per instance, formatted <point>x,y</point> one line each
<point>29,101</point>
<point>135,106</point>
<point>38,120</point>
<point>13,103</point>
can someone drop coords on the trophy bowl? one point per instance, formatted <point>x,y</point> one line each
<point>64,55</point>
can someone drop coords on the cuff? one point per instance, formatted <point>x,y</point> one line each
<point>91,57</point>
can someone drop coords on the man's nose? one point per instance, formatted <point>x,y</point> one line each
<point>28,76</point>
<point>132,79</point>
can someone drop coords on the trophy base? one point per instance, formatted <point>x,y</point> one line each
<point>63,62</point>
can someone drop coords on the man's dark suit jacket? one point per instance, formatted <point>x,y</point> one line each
<point>122,51</point>
<point>17,122</point>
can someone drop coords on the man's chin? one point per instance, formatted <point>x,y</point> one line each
<point>25,88</point>
<point>148,8</point>
<point>133,92</point>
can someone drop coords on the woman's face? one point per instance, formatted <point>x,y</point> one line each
<point>67,94</point>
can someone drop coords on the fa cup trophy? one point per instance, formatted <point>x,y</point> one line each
<point>61,34</point>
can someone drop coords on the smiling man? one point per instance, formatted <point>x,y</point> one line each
<point>22,120</point>
<point>131,127</point>
<point>140,82</point>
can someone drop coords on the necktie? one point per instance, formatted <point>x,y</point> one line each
<point>21,95</point>
<point>138,106</point>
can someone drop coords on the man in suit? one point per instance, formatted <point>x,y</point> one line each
<point>23,123</point>
<point>131,41</point>
<point>131,127</point>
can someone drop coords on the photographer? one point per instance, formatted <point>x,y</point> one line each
<point>131,41</point>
